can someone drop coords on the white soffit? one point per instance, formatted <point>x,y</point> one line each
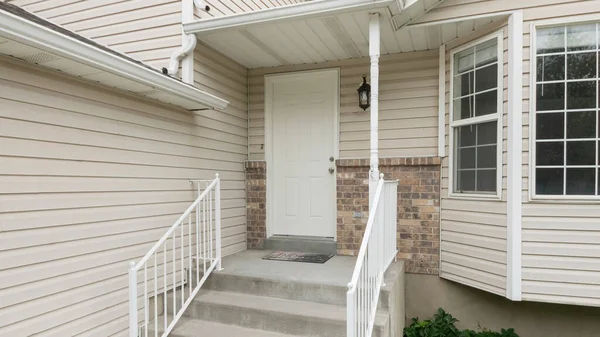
<point>325,30</point>
<point>34,42</point>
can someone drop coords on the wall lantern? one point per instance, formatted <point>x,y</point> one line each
<point>364,94</point>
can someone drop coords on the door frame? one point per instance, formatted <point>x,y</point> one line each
<point>270,80</point>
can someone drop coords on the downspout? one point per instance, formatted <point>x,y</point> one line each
<point>189,41</point>
<point>374,52</point>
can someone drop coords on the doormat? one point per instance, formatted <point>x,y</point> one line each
<point>298,257</point>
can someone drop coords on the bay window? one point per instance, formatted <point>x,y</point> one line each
<point>566,133</point>
<point>476,93</point>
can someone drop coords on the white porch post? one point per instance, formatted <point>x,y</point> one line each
<point>374,52</point>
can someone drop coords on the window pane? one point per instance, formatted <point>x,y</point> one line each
<point>466,158</point>
<point>549,181</point>
<point>581,153</point>
<point>486,52</point>
<point>486,133</point>
<point>581,65</point>
<point>486,103</point>
<point>581,37</point>
<point>486,157</point>
<point>550,96</point>
<point>466,135</point>
<point>581,124</point>
<point>464,61</point>
<point>550,153</point>
<point>466,181</point>
<point>464,84</point>
<point>581,181</point>
<point>550,68</point>
<point>487,78</point>
<point>550,40</point>
<point>581,95</point>
<point>463,107</point>
<point>486,181</point>
<point>550,125</point>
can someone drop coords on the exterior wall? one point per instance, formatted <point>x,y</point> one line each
<point>407,109</point>
<point>147,30</point>
<point>473,232</point>
<point>477,309</point>
<point>90,178</point>
<point>418,208</point>
<point>560,239</point>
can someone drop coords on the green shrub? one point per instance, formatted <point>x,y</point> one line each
<point>442,325</point>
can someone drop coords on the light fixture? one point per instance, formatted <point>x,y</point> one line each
<point>364,94</point>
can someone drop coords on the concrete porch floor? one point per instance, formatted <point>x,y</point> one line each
<point>249,263</point>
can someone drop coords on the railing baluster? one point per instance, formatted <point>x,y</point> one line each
<point>182,248</point>
<point>155,296</point>
<point>165,283</point>
<point>173,278</point>
<point>197,245</point>
<point>146,300</point>
<point>210,207</point>
<point>190,253</point>
<point>204,235</point>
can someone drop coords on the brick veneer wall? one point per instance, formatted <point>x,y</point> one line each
<point>418,208</point>
<point>256,200</point>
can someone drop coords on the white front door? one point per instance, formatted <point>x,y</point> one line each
<point>301,113</point>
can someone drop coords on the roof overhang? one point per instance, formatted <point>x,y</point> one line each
<point>301,11</point>
<point>328,30</point>
<point>35,43</point>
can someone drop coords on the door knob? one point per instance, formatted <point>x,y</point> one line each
<point>331,170</point>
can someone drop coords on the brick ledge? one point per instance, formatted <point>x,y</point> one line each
<point>404,161</point>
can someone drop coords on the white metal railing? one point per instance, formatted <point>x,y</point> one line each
<point>377,250</point>
<point>194,241</point>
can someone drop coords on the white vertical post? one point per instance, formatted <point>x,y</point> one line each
<point>133,332</point>
<point>218,221</point>
<point>374,52</point>
<point>514,147</point>
<point>187,64</point>
<point>442,103</point>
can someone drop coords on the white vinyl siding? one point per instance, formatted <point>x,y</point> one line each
<point>561,239</point>
<point>407,108</point>
<point>473,230</point>
<point>90,178</point>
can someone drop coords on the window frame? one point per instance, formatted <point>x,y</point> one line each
<point>496,117</point>
<point>532,163</point>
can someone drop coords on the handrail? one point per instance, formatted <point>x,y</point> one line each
<point>164,238</point>
<point>363,246</point>
<point>377,250</point>
<point>174,277</point>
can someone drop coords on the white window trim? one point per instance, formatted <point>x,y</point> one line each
<point>476,120</point>
<point>532,195</point>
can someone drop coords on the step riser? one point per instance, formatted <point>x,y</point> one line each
<point>319,293</point>
<point>271,321</point>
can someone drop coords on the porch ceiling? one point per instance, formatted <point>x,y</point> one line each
<point>301,34</point>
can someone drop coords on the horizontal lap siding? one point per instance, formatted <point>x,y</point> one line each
<point>407,108</point>
<point>473,232</point>
<point>89,180</point>
<point>560,241</point>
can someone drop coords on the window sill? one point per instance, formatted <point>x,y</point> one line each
<point>558,199</point>
<point>482,197</point>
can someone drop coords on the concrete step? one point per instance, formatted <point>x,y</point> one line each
<point>301,244</point>
<point>275,286</point>
<point>280,315</point>
<point>188,327</point>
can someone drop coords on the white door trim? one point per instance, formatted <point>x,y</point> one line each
<point>270,80</point>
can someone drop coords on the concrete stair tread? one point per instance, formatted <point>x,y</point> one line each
<point>188,327</point>
<point>280,306</point>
